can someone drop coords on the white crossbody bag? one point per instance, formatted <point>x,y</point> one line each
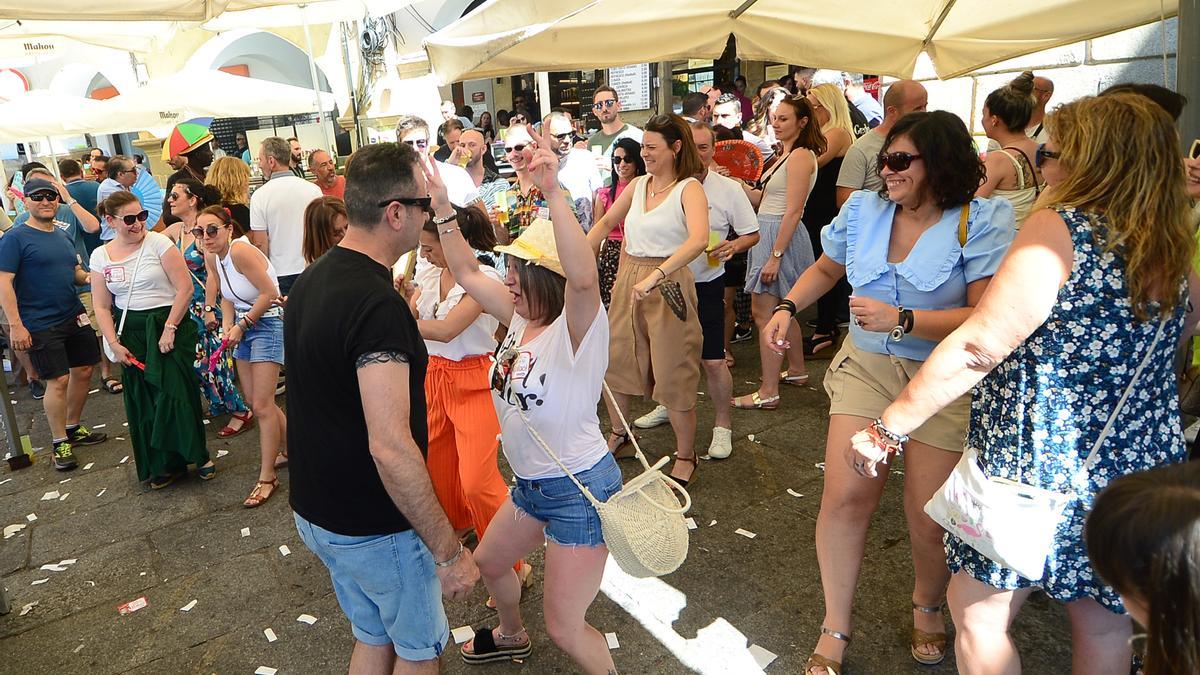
<point>108,350</point>
<point>1013,523</point>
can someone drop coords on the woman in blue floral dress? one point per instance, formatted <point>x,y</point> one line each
<point>1052,346</point>
<point>188,196</point>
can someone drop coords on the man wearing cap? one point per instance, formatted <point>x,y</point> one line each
<point>39,272</point>
<point>277,212</point>
<point>361,494</point>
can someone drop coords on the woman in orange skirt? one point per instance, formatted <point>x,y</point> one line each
<point>464,433</point>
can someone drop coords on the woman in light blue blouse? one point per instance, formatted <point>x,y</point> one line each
<point>919,256</point>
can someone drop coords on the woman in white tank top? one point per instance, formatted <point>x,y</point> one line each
<point>1011,171</point>
<point>655,345</point>
<point>253,328</point>
<point>783,251</point>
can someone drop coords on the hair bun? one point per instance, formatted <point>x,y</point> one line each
<point>1023,83</point>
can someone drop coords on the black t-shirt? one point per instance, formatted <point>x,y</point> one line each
<point>341,307</point>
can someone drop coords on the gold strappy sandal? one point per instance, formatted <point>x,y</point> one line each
<point>920,638</point>
<point>817,661</point>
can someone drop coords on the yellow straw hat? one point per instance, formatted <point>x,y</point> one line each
<point>536,247</point>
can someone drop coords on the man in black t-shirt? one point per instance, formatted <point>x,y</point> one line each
<point>362,496</point>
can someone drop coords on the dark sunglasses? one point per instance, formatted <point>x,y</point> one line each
<point>564,136</point>
<point>211,231</point>
<point>516,148</point>
<point>44,197</point>
<point>135,217</point>
<point>618,159</point>
<point>419,145</point>
<point>422,202</point>
<point>896,161</point>
<point>1042,154</point>
<point>504,364</point>
<point>517,118</point>
<point>606,103</point>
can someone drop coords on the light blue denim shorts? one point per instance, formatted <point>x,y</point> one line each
<point>263,342</point>
<point>387,587</point>
<point>570,518</point>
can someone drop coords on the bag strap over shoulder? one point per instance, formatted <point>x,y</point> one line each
<point>962,224</point>
<point>1093,456</point>
<point>129,294</point>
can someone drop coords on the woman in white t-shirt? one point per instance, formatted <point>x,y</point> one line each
<point>547,377</point>
<point>464,433</point>
<point>142,277</point>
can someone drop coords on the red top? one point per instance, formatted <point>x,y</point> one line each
<point>338,190</point>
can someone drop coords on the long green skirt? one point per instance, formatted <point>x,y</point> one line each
<point>162,403</point>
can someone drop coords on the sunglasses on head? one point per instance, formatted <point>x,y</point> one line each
<point>418,144</point>
<point>504,364</point>
<point>1042,154</point>
<point>606,103</point>
<point>422,202</point>
<point>135,217</point>
<point>516,148</point>
<point>896,161</point>
<point>210,231</point>
<point>44,197</point>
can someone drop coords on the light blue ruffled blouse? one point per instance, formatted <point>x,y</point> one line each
<point>936,272</point>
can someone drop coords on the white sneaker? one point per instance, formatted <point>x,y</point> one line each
<point>722,443</point>
<point>655,418</point>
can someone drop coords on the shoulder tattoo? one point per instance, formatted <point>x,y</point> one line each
<point>372,358</point>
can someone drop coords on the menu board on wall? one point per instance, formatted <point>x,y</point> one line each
<point>632,84</point>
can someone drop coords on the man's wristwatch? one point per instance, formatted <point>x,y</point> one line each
<point>210,308</point>
<point>776,254</point>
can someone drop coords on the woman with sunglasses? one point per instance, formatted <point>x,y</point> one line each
<point>547,378</point>
<point>252,326</point>
<point>627,164</point>
<point>463,430</point>
<point>783,251</point>
<point>919,256</point>
<point>656,336</point>
<point>214,364</point>
<point>1012,172</point>
<point>141,277</point>
<point>1051,354</point>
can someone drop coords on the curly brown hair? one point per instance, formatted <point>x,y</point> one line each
<point>953,170</point>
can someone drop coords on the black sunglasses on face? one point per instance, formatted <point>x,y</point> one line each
<point>606,103</point>
<point>617,159</point>
<point>422,202</point>
<point>516,149</point>
<point>896,161</point>
<point>211,231</point>
<point>563,136</point>
<point>136,217</point>
<point>44,197</point>
<point>1042,154</point>
<point>419,144</point>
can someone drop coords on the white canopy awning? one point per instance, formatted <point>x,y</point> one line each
<point>52,38</point>
<point>127,10</point>
<point>42,113</point>
<point>885,37</point>
<point>312,13</point>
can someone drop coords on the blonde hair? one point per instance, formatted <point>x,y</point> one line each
<point>231,177</point>
<point>834,101</point>
<point>1135,179</point>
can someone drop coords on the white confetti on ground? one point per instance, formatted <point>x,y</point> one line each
<point>64,496</point>
<point>39,582</point>
<point>124,459</point>
<point>65,480</point>
<point>270,635</point>
<point>745,533</point>
<point>307,618</point>
<point>691,523</point>
<point>612,641</point>
<point>207,422</point>
<point>222,453</point>
<point>28,608</point>
<point>284,550</point>
<point>31,517</point>
<point>88,465</point>
<point>462,634</point>
<point>94,391</point>
<point>793,493</point>
<point>188,607</point>
<point>77,649</point>
<point>12,530</point>
<point>101,492</point>
<point>53,494</point>
<point>820,466</point>
<point>265,670</point>
<point>761,656</point>
<point>245,532</point>
<point>99,426</point>
<point>712,523</point>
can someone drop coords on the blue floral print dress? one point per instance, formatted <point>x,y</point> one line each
<point>218,385</point>
<point>1036,416</point>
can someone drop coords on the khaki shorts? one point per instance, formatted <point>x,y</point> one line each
<point>651,352</point>
<point>86,299</point>
<point>863,384</point>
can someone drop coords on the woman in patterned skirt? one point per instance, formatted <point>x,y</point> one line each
<point>1075,307</point>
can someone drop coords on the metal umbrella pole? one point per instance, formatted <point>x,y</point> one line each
<point>312,71</point>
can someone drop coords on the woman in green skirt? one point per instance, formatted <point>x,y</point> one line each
<point>142,279</point>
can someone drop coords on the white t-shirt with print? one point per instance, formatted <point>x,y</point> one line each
<point>728,206</point>
<point>477,339</point>
<point>558,391</point>
<point>151,289</point>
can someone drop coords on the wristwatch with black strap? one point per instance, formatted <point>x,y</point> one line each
<point>904,325</point>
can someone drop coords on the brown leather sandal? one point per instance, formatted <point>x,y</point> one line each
<point>256,498</point>
<point>817,661</point>
<point>920,639</point>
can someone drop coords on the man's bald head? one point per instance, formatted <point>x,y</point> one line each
<point>903,97</point>
<point>473,141</point>
<point>1043,89</point>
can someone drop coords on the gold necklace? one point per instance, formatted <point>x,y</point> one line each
<point>655,193</point>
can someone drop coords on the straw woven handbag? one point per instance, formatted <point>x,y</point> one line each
<point>643,524</point>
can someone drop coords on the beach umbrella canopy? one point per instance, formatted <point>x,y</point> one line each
<point>885,37</point>
<point>312,13</point>
<point>186,136</point>
<point>40,113</point>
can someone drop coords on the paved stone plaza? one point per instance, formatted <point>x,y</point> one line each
<point>186,543</point>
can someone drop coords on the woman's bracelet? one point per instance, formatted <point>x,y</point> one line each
<point>891,440</point>
<point>660,271</point>
<point>786,305</point>
<point>169,326</point>
<point>448,230</point>
<point>453,559</point>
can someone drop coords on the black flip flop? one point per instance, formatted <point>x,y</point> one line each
<point>112,385</point>
<point>484,649</point>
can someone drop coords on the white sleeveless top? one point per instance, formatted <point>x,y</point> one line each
<point>235,285</point>
<point>1024,195</point>
<point>661,231</point>
<point>774,199</point>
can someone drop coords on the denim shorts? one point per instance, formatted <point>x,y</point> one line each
<point>263,342</point>
<point>570,518</point>
<point>386,586</point>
